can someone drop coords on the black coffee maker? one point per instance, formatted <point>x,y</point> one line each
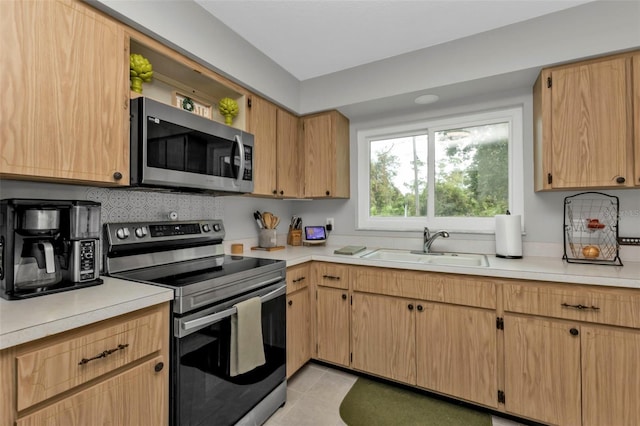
<point>47,246</point>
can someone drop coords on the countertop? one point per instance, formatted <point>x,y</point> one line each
<point>22,321</point>
<point>528,268</point>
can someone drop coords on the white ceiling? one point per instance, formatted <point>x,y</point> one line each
<point>311,38</point>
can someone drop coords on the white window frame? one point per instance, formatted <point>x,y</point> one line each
<point>512,115</point>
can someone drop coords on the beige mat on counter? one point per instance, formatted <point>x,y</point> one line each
<point>247,350</point>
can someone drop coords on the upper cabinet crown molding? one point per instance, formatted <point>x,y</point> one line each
<point>583,124</point>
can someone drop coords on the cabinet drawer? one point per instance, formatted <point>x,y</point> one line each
<point>298,277</point>
<point>614,306</point>
<point>437,287</point>
<point>331,275</point>
<point>137,396</point>
<point>74,358</point>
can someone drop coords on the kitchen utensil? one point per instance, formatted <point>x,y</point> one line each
<point>258,217</point>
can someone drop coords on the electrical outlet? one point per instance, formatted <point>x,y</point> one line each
<point>329,224</point>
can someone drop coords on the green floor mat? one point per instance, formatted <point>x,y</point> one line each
<point>372,403</point>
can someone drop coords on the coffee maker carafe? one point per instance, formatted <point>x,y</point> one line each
<point>47,246</point>
<point>37,265</point>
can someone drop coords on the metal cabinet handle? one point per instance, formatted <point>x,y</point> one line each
<point>410,307</point>
<point>420,308</point>
<point>579,307</point>
<point>104,354</point>
<point>574,332</point>
<point>290,302</point>
<point>344,297</point>
<point>299,279</point>
<point>620,179</point>
<point>331,277</point>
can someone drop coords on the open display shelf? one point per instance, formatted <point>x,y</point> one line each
<point>591,229</point>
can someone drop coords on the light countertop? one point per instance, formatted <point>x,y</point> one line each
<point>528,268</point>
<point>22,321</point>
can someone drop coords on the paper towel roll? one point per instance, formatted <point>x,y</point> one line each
<point>508,236</point>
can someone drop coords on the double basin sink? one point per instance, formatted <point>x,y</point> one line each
<point>449,259</point>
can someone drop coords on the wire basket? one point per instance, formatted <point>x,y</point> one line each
<point>591,229</point>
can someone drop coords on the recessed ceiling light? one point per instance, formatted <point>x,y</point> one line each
<point>426,99</point>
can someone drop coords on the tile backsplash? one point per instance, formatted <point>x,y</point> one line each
<point>138,206</point>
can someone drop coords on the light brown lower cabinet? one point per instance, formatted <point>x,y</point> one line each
<point>384,336</point>
<point>568,373</point>
<point>112,372</point>
<point>610,376</point>
<point>560,354</point>
<point>445,347</point>
<point>298,330</point>
<point>332,325</point>
<point>133,397</point>
<point>542,369</point>
<point>456,351</point>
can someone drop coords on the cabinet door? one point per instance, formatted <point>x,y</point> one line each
<point>326,155</point>
<point>332,325</point>
<point>456,351</point>
<point>591,125</point>
<point>319,161</point>
<point>384,338</point>
<point>139,396</point>
<point>262,124</point>
<point>542,369</point>
<point>610,377</point>
<point>289,163</point>
<point>298,330</point>
<point>65,114</point>
<point>636,114</point>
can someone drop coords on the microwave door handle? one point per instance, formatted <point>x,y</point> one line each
<point>241,154</point>
<point>214,318</point>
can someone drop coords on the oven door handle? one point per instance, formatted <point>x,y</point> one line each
<point>213,318</point>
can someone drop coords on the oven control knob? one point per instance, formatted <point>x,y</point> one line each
<point>206,228</point>
<point>216,227</point>
<point>122,233</point>
<point>141,232</point>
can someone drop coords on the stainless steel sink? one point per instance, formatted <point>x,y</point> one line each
<point>408,256</point>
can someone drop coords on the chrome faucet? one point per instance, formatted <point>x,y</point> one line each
<point>428,239</point>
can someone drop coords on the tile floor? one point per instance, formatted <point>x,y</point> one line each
<point>314,395</point>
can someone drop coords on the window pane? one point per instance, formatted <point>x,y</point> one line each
<point>472,171</point>
<point>398,177</point>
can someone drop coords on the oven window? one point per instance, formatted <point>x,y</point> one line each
<point>204,393</point>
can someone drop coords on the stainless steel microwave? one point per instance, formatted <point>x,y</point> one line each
<point>175,149</point>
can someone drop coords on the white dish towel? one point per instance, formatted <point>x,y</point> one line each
<point>247,350</point>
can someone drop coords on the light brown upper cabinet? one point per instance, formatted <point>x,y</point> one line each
<point>262,124</point>
<point>65,115</point>
<point>289,158</point>
<point>583,124</point>
<point>636,113</point>
<point>326,155</point>
<point>276,160</point>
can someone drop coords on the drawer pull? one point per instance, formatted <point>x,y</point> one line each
<point>103,354</point>
<point>331,277</point>
<point>566,305</point>
<point>299,279</point>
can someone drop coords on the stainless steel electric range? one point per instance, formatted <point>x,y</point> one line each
<point>188,257</point>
